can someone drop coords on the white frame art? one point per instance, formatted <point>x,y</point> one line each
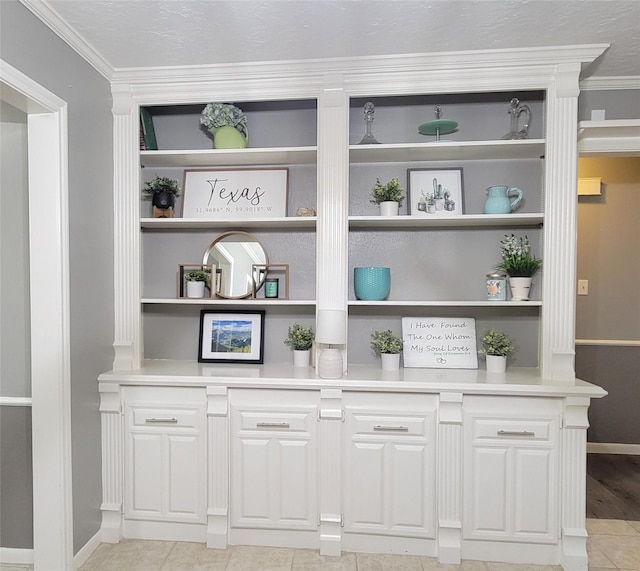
<point>423,182</point>
<point>220,194</point>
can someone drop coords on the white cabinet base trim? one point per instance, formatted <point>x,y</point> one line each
<point>275,538</point>
<point>512,552</point>
<point>362,543</point>
<point>163,531</point>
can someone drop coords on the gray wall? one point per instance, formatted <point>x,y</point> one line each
<point>16,476</point>
<point>617,104</point>
<point>608,254</point>
<point>29,46</point>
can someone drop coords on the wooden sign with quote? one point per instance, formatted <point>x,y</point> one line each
<point>440,342</point>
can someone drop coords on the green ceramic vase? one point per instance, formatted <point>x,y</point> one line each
<point>228,137</point>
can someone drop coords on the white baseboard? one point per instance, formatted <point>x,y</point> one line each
<point>85,552</point>
<point>12,556</point>
<point>613,448</point>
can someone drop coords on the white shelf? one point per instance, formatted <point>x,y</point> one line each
<point>609,137</point>
<point>448,303</point>
<point>229,157</point>
<point>288,222</point>
<point>247,301</point>
<point>447,150</point>
<point>465,220</point>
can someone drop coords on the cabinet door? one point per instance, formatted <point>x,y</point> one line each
<point>511,469</point>
<point>165,466</point>
<point>273,460</point>
<point>389,461</point>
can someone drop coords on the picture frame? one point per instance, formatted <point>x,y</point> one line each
<point>247,193</point>
<point>231,336</point>
<point>211,285</point>
<point>433,192</point>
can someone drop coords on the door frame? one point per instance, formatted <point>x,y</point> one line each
<point>47,142</point>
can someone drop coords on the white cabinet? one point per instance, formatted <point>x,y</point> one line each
<point>511,471</point>
<point>389,464</point>
<point>165,454</point>
<point>274,459</point>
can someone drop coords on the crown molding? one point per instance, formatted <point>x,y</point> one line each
<point>610,83</point>
<point>45,13</point>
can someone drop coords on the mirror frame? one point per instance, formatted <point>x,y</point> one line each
<point>252,238</point>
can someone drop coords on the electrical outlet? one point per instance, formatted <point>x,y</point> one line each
<point>583,287</point>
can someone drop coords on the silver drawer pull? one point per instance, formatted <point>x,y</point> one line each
<point>515,433</point>
<point>161,421</point>
<point>391,428</point>
<point>272,425</point>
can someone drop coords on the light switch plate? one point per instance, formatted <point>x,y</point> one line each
<point>583,287</point>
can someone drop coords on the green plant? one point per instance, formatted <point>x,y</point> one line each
<point>197,276</point>
<point>216,115</point>
<point>162,184</point>
<point>299,338</point>
<point>392,191</point>
<point>385,342</point>
<point>517,260</point>
<point>496,343</point>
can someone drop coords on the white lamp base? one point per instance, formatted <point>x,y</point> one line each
<point>330,364</point>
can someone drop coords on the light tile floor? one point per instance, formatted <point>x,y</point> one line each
<point>612,544</point>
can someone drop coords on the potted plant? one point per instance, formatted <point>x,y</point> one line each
<point>387,345</point>
<point>496,347</point>
<point>163,191</point>
<point>300,339</point>
<point>389,196</point>
<point>519,265</point>
<point>227,124</point>
<point>196,281</point>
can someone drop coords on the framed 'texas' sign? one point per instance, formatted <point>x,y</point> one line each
<point>237,193</point>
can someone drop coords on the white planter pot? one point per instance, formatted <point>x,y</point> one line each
<point>389,208</point>
<point>520,288</point>
<point>301,358</point>
<point>195,289</point>
<point>496,364</point>
<point>390,361</point>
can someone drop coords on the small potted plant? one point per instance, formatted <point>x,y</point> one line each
<point>387,345</point>
<point>300,339</point>
<point>227,124</point>
<point>163,191</point>
<point>196,281</point>
<point>496,347</point>
<point>389,196</point>
<point>519,265</point>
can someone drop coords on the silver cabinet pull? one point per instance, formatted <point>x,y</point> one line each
<point>272,425</point>
<point>391,428</point>
<point>515,433</point>
<point>161,421</point>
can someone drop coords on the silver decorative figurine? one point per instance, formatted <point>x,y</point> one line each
<point>515,110</point>
<point>369,139</point>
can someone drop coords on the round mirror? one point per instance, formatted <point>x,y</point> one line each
<point>234,254</point>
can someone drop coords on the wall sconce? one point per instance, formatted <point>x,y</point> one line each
<point>331,330</point>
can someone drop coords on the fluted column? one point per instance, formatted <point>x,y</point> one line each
<point>218,467</point>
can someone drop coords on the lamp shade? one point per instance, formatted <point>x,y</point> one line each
<point>331,326</point>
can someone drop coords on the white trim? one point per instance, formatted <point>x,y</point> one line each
<point>15,401</point>
<point>613,448</point>
<point>610,83</point>
<point>50,345</point>
<point>86,551</point>
<point>13,556</point>
<point>48,16</point>
<point>609,342</point>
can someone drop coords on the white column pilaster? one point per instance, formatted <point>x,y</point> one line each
<point>218,467</point>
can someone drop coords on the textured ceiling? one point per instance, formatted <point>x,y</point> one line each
<point>149,33</point>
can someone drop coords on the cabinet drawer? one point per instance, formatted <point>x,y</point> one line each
<point>163,417</point>
<point>379,424</point>
<point>512,429</point>
<point>276,421</point>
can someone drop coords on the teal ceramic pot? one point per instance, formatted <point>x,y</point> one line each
<point>499,200</point>
<point>371,284</point>
<point>228,137</point>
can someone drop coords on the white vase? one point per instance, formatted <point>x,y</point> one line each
<point>520,288</point>
<point>389,208</point>
<point>195,289</point>
<point>301,358</point>
<point>496,364</point>
<point>390,361</point>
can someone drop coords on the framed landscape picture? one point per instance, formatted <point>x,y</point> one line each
<point>231,336</point>
<point>435,192</point>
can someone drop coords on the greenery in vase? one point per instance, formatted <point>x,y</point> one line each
<point>496,343</point>
<point>197,276</point>
<point>299,338</point>
<point>216,115</point>
<point>517,260</point>
<point>385,342</point>
<point>392,191</point>
<point>162,184</point>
